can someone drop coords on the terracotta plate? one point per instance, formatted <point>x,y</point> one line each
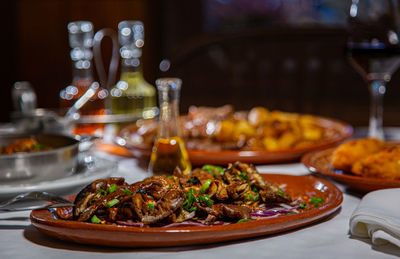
<point>320,162</point>
<point>127,236</point>
<point>201,157</point>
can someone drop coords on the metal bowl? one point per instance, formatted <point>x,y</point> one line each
<point>46,165</point>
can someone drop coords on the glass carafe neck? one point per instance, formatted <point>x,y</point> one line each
<point>168,93</point>
<point>131,65</point>
<point>79,74</point>
<point>81,42</point>
<point>131,39</point>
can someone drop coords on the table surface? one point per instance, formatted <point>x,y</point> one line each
<point>326,239</point>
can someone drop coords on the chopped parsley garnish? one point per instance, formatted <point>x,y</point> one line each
<point>112,203</point>
<point>95,220</point>
<point>150,206</point>
<point>170,177</point>
<point>206,200</point>
<point>112,188</point>
<point>38,147</point>
<point>213,169</point>
<point>243,176</point>
<point>290,213</point>
<point>316,201</point>
<point>303,205</point>
<point>192,209</point>
<point>280,192</point>
<point>251,197</point>
<point>127,192</point>
<point>189,201</point>
<point>243,220</point>
<point>205,186</point>
<point>103,192</point>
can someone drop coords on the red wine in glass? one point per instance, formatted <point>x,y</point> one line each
<point>374,61</point>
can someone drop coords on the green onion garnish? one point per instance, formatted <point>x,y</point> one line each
<point>303,205</point>
<point>316,201</point>
<point>243,220</point>
<point>213,169</point>
<point>112,188</point>
<point>192,209</point>
<point>205,186</point>
<point>243,176</point>
<point>95,220</point>
<point>38,146</point>
<point>251,197</point>
<point>127,192</point>
<point>112,203</point>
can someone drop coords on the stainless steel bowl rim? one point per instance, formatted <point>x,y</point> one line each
<point>21,155</point>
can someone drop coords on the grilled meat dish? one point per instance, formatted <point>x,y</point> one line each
<point>205,195</point>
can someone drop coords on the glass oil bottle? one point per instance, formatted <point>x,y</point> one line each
<point>132,94</point>
<point>169,149</point>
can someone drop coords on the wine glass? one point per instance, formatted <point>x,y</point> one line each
<point>374,50</point>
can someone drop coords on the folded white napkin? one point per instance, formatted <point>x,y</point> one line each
<point>378,217</point>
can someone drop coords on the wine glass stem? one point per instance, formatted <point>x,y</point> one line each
<point>377,91</point>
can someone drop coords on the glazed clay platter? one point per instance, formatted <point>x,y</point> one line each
<point>201,157</point>
<point>320,162</point>
<point>128,236</point>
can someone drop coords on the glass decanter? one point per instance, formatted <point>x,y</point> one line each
<point>132,94</point>
<point>81,42</point>
<point>169,149</point>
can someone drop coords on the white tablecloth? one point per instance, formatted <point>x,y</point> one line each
<point>327,239</point>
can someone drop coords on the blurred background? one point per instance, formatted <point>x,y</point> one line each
<point>280,54</point>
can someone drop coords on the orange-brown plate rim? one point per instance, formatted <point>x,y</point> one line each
<point>44,217</point>
<point>308,159</point>
<point>346,133</point>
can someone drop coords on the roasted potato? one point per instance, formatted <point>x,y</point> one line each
<point>257,116</point>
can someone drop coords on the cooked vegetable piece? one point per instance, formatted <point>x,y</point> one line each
<point>112,203</point>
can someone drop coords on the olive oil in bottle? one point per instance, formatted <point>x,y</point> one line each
<point>169,149</point>
<point>132,94</point>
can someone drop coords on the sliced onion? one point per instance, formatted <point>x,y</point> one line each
<point>265,213</point>
<point>187,223</point>
<point>286,206</point>
<point>131,224</point>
